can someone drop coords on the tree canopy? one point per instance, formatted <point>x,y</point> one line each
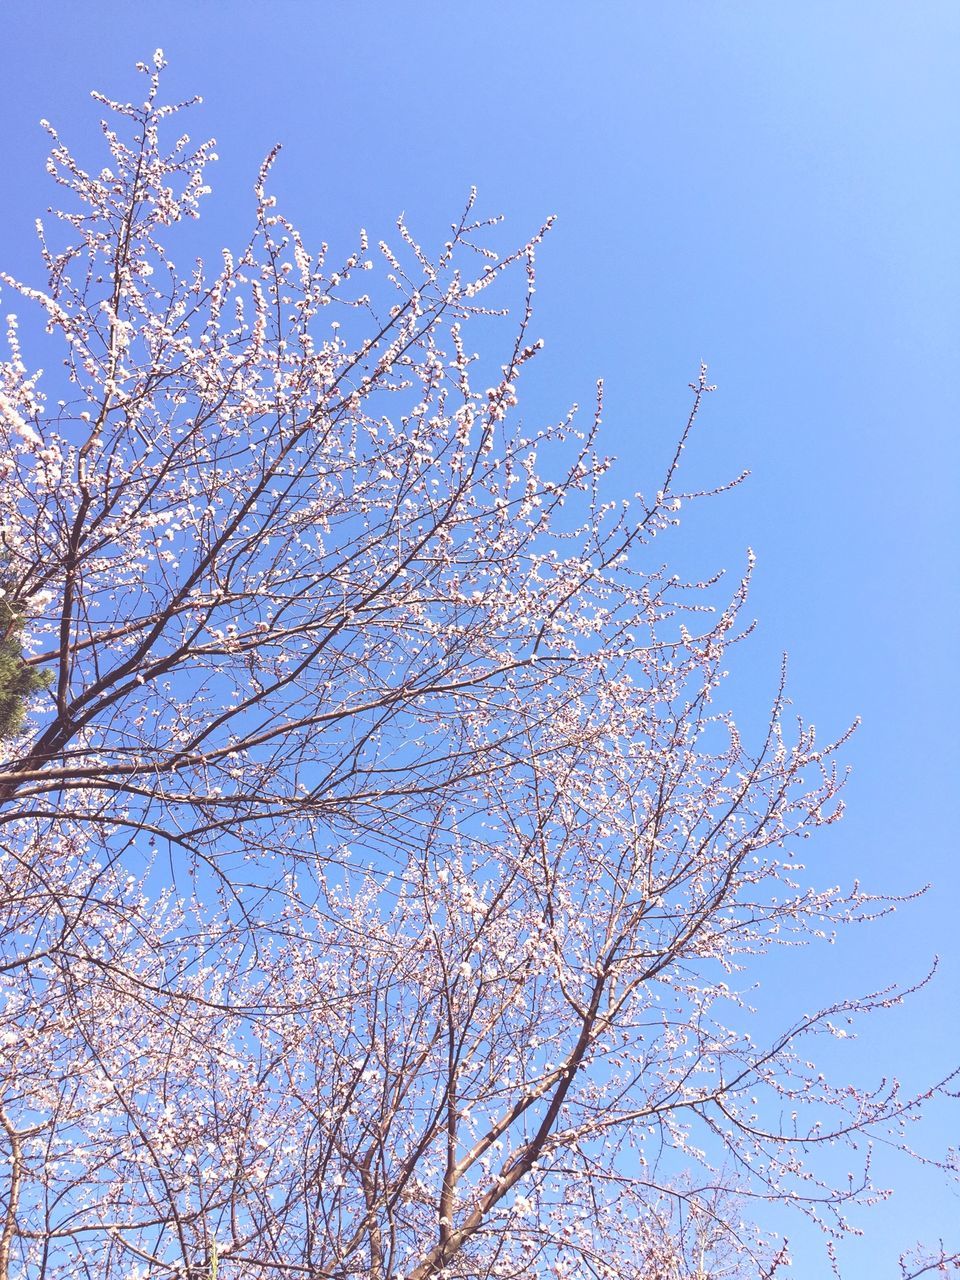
<point>381,861</point>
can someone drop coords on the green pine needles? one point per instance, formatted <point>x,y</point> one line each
<point>17,680</point>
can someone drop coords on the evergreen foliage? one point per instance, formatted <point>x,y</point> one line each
<point>17,680</point>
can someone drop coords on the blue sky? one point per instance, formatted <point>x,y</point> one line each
<point>773,188</point>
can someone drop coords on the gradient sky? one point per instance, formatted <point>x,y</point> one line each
<point>772,187</point>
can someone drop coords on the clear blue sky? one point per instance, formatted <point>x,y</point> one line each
<point>773,187</point>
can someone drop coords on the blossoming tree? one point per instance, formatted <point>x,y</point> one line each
<point>377,855</point>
